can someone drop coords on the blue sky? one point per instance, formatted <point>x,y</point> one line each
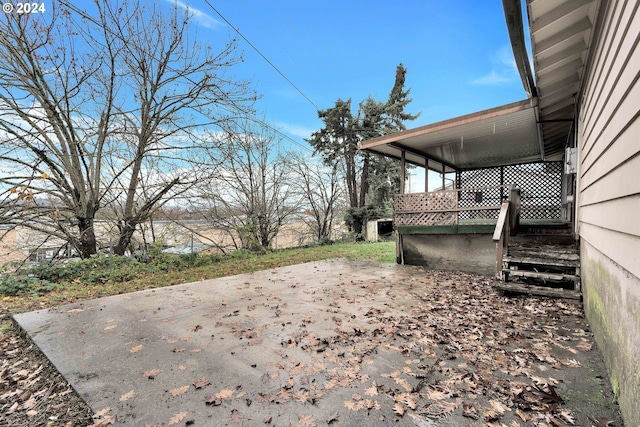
<point>456,52</point>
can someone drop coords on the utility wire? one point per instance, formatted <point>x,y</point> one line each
<point>262,55</point>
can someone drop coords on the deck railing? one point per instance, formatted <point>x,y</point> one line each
<point>479,205</point>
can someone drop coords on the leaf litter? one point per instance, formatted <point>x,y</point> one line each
<point>466,350</point>
<point>462,350</point>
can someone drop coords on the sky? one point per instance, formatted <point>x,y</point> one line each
<point>456,52</point>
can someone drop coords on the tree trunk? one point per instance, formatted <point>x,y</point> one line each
<point>364,181</point>
<point>87,240</point>
<point>126,230</point>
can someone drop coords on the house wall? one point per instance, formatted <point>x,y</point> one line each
<point>9,250</point>
<point>608,190</point>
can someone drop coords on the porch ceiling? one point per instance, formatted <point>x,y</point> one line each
<point>561,34</point>
<point>499,136</point>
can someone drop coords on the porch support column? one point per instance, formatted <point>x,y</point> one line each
<point>426,175</point>
<point>402,171</point>
<point>444,168</point>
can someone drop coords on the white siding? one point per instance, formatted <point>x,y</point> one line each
<point>609,173</point>
<point>608,199</point>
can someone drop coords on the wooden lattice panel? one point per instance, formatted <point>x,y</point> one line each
<point>440,218</point>
<point>540,188</point>
<point>413,209</point>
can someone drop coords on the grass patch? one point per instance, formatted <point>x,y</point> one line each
<point>101,276</point>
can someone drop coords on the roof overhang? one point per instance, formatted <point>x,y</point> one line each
<point>536,129</point>
<point>495,137</point>
<point>561,35</point>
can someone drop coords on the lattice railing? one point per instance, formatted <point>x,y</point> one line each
<point>480,205</point>
<point>540,184</point>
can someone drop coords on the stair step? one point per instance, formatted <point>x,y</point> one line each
<point>519,288</point>
<point>539,275</point>
<point>522,253</point>
<point>555,261</point>
<point>532,239</point>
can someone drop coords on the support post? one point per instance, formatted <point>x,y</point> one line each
<point>426,175</point>
<point>403,170</point>
<point>444,184</point>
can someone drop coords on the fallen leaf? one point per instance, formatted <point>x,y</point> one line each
<point>332,418</point>
<point>108,328</point>
<point>399,409</point>
<point>601,421</point>
<point>436,395</point>
<point>470,410</point>
<point>520,414</point>
<point>441,409</point>
<point>236,417</point>
<point>372,391</point>
<point>307,421</point>
<point>179,390</point>
<point>127,396</point>
<point>136,348</point>
<point>101,412</point>
<point>584,346</point>
<point>224,394</point>
<point>566,415</point>
<point>177,418</point>
<point>111,419</point>
<point>201,382</point>
<point>352,405</point>
<point>407,399</point>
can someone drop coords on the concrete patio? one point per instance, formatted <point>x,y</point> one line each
<point>329,343</point>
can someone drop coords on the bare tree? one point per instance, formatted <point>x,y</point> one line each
<point>252,197</point>
<point>90,107</point>
<point>321,187</point>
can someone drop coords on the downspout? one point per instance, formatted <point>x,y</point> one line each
<point>515,25</point>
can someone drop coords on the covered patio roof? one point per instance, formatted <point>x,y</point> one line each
<point>499,136</point>
<point>535,129</point>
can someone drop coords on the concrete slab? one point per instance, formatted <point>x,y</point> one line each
<point>331,342</point>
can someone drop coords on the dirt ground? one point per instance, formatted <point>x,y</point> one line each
<point>311,345</point>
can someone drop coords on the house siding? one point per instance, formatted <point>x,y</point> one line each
<point>608,190</point>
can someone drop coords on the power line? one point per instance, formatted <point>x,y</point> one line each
<point>262,55</point>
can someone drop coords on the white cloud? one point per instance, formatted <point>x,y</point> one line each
<point>203,19</point>
<point>504,69</point>
<point>493,78</point>
<point>295,130</point>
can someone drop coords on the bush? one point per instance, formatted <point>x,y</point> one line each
<point>101,269</point>
<point>16,285</point>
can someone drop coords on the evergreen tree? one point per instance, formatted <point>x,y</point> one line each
<point>371,179</point>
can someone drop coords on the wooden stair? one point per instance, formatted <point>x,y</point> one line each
<point>542,260</point>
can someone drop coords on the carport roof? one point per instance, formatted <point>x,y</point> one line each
<point>498,136</point>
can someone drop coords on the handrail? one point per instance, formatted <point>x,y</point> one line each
<point>501,236</point>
